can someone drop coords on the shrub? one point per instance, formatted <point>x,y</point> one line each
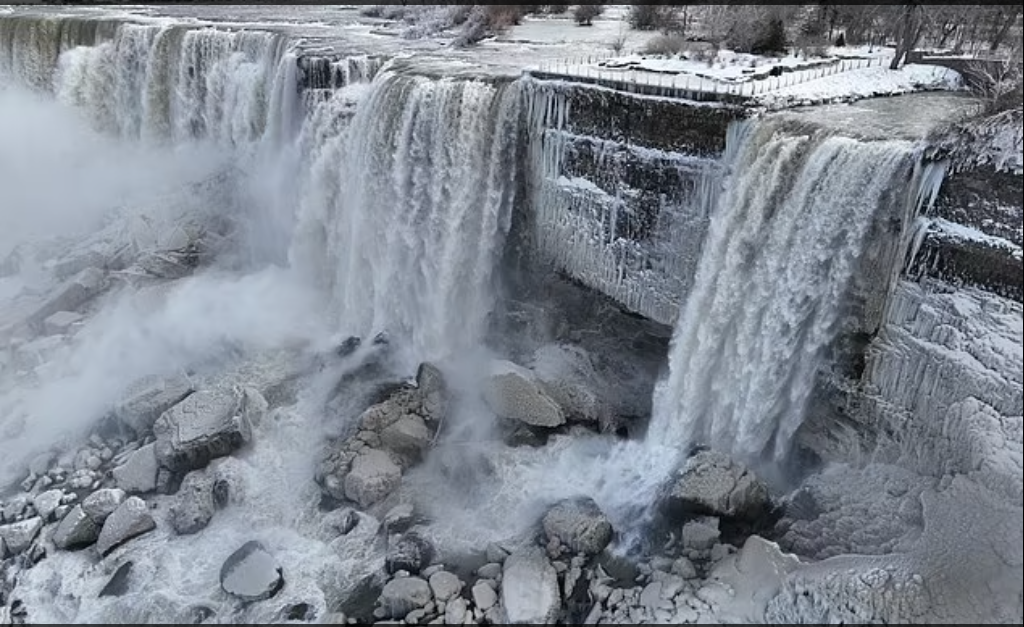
<point>652,17</point>
<point>584,14</point>
<point>667,45</point>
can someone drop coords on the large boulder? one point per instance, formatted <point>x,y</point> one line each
<point>102,503</point>
<point>148,398</point>
<point>208,424</point>
<point>76,530</point>
<point>578,524</point>
<point>515,393</point>
<point>194,503</point>
<point>529,588</point>
<point>373,476</point>
<point>710,483</point>
<point>411,553</point>
<point>139,472</point>
<point>76,292</point>
<point>130,520</point>
<point>567,374</point>
<point>403,595</point>
<point>392,436</point>
<point>251,573</point>
<point>19,536</point>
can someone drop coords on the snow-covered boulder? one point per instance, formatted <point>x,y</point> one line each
<point>711,483</point>
<point>403,595</point>
<point>149,397</point>
<point>515,393</point>
<point>529,588</point>
<point>130,520</point>
<point>578,524</point>
<point>208,424</point>
<point>76,530</point>
<point>373,476</point>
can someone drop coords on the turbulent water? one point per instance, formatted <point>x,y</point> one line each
<point>780,251</point>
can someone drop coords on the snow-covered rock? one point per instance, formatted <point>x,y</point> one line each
<point>138,474</point>
<point>515,393</point>
<point>208,424</point>
<point>102,503</point>
<point>46,503</point>
<point>445,585</point>
<point>568,376</point>
<point>411,553</point>
<point>131,519</point>
<point>76,530</point>
<point>18,536</point>
<point>529,588</point>
<point>373,476</point>
<point>76,292</point>
<point>712,483</point>
<point>149,397</point>
<point>579,524</point>
<point>194,503</point>
<point>403,595</point>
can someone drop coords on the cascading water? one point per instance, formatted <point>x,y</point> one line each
<point>407,204</point>
<point>780,251</point>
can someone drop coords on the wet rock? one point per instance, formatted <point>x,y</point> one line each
<point>208,424</point>
<point>102,503</point>
<point>403,595</point>
<point>138,475</point>
<point>19,536</point>
<point>529,588</point>
<point>130,520</point>
<point>76,292</point>
<point>701,534</point>
<point>411,553</point>
<point>76,530</point>
<point>348,346</point>
<point>251,573</point>
<point>514,393</point>
<point>484,596</point>
<point>399,518</point>
<point>710,483</point>
<point>303,612</point>
<point>579,524</point>
<point>455,611</point>
<point>372,477</point>
<point>46,503</point>
<point>61,322</point>
<point>408,437</point>
<point>148,398</point>
<point>339,522</point>
<point>117,585</point>
<point>445,585</point>
<point>569,377</point>
<point>490,570</point>
<point>194,504</point>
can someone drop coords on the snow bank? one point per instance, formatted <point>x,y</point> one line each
<point>863,83</point>
<point>959,232</point>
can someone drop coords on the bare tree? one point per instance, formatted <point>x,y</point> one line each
<point>910,27</point>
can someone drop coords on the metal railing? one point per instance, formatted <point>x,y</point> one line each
<point>684,84</point>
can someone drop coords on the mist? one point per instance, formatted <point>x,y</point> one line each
<point>62,179</point>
